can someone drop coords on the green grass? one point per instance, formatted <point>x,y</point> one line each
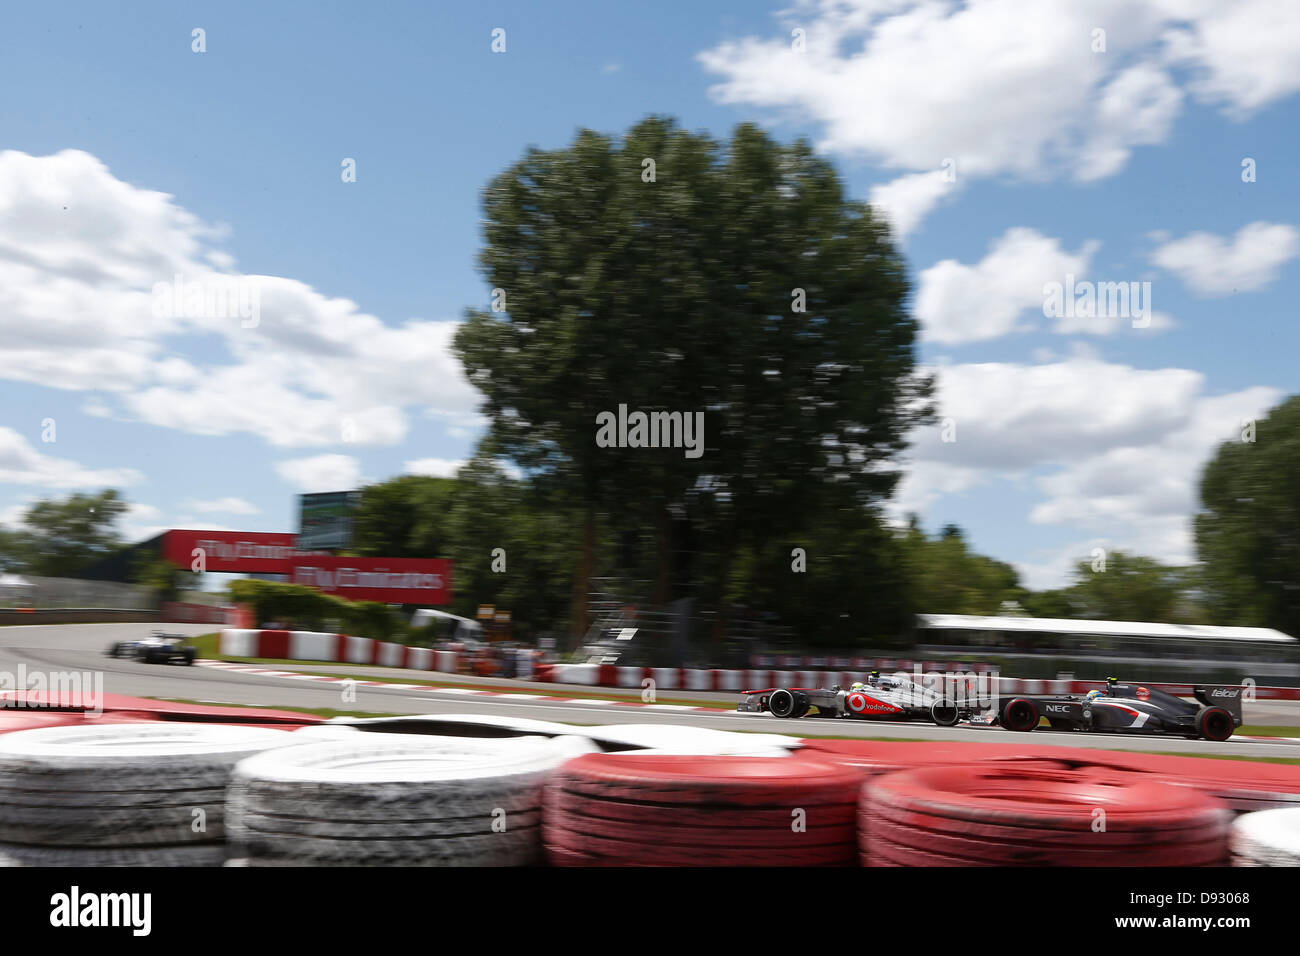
<point>208,645</point>
<point>1267,730</point>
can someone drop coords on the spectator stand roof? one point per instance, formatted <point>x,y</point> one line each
<point>1052,625</point>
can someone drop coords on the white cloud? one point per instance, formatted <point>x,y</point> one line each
<point>321,472</point>
<point>958,303</point>
<point>1007,86</point>
<point>433,467</point>
<point>905,201</point>
<point>1214,266</point>
<point>1054,567</point>
<point>232,506</point>
<point>1088,445</point>
<point>77,312</point>
<point>1152,482</point>
<point>1244,53</point>
<point>926,482</point>
<point>22,464</point>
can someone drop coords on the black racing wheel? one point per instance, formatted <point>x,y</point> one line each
<point>944,713</point>
<point>781,703</point>
<point>1020,714</point>
<point>1215,723</point>
<point>788,703</point>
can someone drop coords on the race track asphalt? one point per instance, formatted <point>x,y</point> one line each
<point>80,647</point>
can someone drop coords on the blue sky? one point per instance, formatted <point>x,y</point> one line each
<point>126,157</point>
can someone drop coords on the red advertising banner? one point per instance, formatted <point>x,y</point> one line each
<point>239,552</point>
<point>391,580</point>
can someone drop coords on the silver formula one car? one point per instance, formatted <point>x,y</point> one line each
<point>878,698</point>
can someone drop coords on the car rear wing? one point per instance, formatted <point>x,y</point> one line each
<point>1227,696</point>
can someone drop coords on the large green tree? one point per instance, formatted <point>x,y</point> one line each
<point>1248,529</point>
<point>508,542</point>
<point>404,517</point>
<point>59,537</point>
<point>671,272</point>
<point>1129,587</point>
<point>945,576</point>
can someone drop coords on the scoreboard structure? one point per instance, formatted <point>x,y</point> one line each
<point>325,520</point>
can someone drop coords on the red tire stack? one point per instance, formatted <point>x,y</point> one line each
<point>665,810</point>
<point>1027,814</point>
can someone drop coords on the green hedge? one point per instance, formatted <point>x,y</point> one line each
<point>299,607</point>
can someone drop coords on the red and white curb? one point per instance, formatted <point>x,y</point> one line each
<point>508,695</point>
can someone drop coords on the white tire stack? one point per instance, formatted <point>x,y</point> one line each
<point>120,794</point>
<point>389,800</point>
<point>1267,838</point>
<point>660,738</point>
<point>437,725</point>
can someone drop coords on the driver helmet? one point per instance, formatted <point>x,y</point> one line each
<point>1091,696</point>
<point>858,685</point>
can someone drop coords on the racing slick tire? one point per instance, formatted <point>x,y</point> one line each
<point>945,713</point>
<point>113,650</point>
<point>203,854</point>
<point>387,800</point>
<point>787,703</point>
<point>1214,723</point>
<point>673,810</point>
<point>1267,838</point>
<point>1020,714</point>
<point>1037,815</point>
<point>110,786</point>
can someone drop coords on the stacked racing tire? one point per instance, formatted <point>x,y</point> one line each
<point>1267,838</point>
<point>1027,814</point>
<point>389,800</point>
<point>146,794</point>
<point>650,809</point>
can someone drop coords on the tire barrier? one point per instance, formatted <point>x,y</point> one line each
<point>385,800</point>
<point>120,794</point>
<point>874,757</point>
<point>25,710</point>
<point>681,739</point>
<point>1266,786</point>
<point>482,726</point>
<point>1037,814</point>
<point>1267,838</point>
<point>668,738</point>
<point>203,854</point>
<point>631,809</point>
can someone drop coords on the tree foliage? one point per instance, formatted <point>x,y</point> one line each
<point>944,576</point>
<point>1131,587</point>
<point>740,283</point>
<point>1248,529</point>
<point>59,537</point>
<point>298,607</point>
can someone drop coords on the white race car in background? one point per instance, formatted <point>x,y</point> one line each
<point>879,698</point>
